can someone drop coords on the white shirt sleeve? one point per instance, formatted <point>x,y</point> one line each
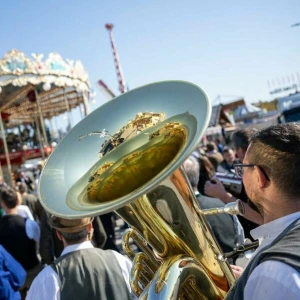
<point>46,286</point>
<point>125,265</point>
<point>33,232</point>
<point>273,280</point>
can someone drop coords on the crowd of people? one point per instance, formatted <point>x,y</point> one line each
<point>47,257</point>
<point>29,242</point>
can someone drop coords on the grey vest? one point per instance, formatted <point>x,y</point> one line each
<point>90,274</point>
<point>285,248</point>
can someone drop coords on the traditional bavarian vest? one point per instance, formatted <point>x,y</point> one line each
<point>90,274</point>
<point>285,248</point>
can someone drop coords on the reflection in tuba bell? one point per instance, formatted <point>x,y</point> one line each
<point>139,176</point>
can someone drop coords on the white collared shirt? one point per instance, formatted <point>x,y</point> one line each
<point>273,279</point>
<point>46,286</point>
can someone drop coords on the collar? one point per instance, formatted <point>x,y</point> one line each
<point>274,228</point>
<point>80,246</point>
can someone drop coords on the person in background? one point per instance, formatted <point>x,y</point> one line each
<point>213,154</point>
<point>82,271</point>
<point>51,246</point>
<point>228,162</point>
<point>270,172</point>
<point>30,200</point>
<point>27,180</point>
<point>109,224</point>
<point>3,184</point>
<point>228,232</point>
<point>12,276</point>
<point>38,171</point>
<point>19,236</point>
<point>22,210</point>
<point>219,145</point>
<point>207,172</point>
<point>251,219</point>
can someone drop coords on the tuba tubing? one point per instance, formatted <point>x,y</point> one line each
<point>233,208</point>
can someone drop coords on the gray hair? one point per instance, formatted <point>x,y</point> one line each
<point>192,169</point>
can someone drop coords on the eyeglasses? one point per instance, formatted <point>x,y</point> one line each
<point>239,171</point>
<point>238,168</point>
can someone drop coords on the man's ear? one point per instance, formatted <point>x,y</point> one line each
<point>262,179</point>
<point>59,235</point>
<point>90,230</point>
<point>90,227</point>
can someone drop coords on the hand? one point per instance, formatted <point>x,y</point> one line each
<point>237,271</point>
<point>216,189</point>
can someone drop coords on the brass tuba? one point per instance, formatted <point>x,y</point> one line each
<point>139,176</point>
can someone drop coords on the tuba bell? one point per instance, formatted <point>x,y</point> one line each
<point>143,137</point>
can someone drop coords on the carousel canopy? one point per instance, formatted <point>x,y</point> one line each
<point>60,85</point>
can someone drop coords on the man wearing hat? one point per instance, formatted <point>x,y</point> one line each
<point>82,271</point>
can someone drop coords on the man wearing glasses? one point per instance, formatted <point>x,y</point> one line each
<point>270,171</point>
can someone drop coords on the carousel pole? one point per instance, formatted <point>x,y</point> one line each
<point>20,135</point>
<point>39,136</point>
<point>1,171</point>
<point>85,103</point>
<point>68,110</point>
<point>6,151</point>
<point>57,128</point>
<point>52,131</point>
<point>41,116</point>
<point>81,106</point>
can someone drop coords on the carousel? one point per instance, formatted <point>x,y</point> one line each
<point>34,90</point>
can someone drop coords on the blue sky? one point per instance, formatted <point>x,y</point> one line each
<point>227,47</point>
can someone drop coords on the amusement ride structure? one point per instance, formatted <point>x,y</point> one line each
<point>109,94</point>
<point>121,80</point>
<point>32,90</point>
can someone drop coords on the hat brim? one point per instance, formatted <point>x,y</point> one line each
<point>54,223</point>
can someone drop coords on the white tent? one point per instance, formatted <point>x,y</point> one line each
<point>246,112</point>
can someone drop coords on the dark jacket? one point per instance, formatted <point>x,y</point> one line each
<point>222,225</point>
<point>14,239</point>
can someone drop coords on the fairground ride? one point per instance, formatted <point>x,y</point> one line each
<point>31,91</point>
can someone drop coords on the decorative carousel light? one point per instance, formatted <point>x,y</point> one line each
<point>81,88</point>
<point>46,86</point>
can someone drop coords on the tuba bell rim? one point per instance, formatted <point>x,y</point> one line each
<point>171,85</point>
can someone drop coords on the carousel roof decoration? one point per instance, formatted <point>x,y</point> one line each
<point>19,70</point>
<point>55,80</point>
